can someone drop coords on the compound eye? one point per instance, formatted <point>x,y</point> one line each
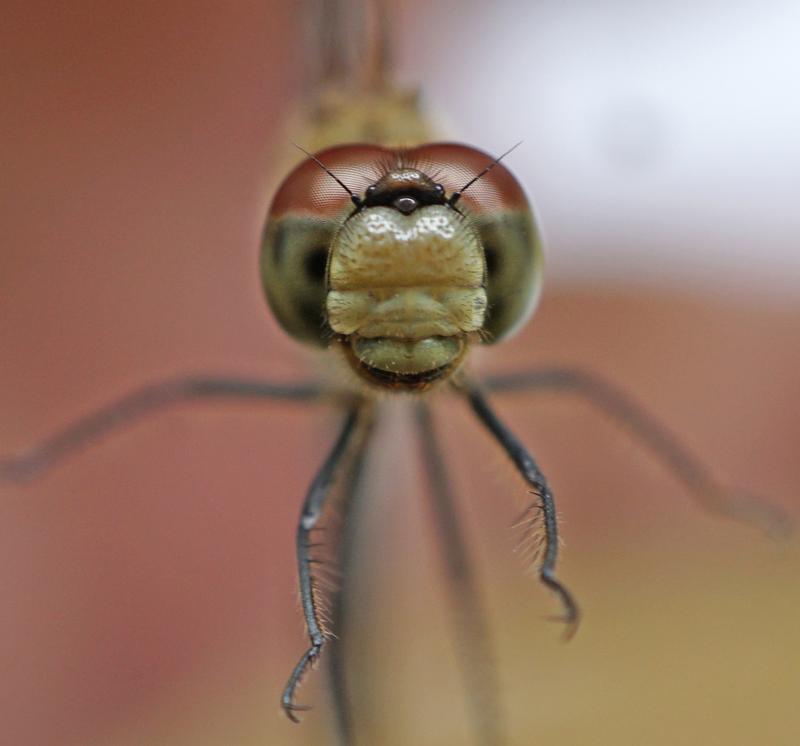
<point>308,209</point>
<point>294,258</point>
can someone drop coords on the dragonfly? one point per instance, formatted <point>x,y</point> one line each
<point>398,254</point>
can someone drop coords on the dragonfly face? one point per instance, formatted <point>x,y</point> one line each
<point>398,268</point>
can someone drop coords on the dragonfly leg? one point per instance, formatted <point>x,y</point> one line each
<point>733,503</point>
<point>532,474</point>
<point>469,621</point>
<point>141,402</point>
<point>310,590</point>
<point>341,602</point>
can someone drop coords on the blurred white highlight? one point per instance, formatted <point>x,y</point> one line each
<point>661,140</point>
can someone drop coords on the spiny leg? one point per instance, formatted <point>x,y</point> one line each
<point>349,512</point>
<point>732,503</point>
<point>139,403</point>
<point>309,518</point>
<point>530,471</point>
<point>471,627</point>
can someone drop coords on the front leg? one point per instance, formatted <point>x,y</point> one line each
<point>532,474</point>
<point>310,591</point>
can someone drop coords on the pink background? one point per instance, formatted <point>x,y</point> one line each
<point>148,586</point>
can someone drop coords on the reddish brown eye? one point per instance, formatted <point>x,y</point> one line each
<point>309,189</point>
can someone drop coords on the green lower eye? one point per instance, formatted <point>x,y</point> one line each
<point>294,258</point>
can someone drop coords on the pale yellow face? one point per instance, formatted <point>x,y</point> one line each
<point>406,290</point>
<point>389,269</point>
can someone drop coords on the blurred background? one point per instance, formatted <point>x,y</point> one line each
<point>148,587</point>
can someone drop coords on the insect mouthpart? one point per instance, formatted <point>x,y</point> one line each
<point>405,363</point>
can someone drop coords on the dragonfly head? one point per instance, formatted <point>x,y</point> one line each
<point>402,259</point>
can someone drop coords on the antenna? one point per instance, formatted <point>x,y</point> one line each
<point>353,196</point>
<point>457,195</point>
